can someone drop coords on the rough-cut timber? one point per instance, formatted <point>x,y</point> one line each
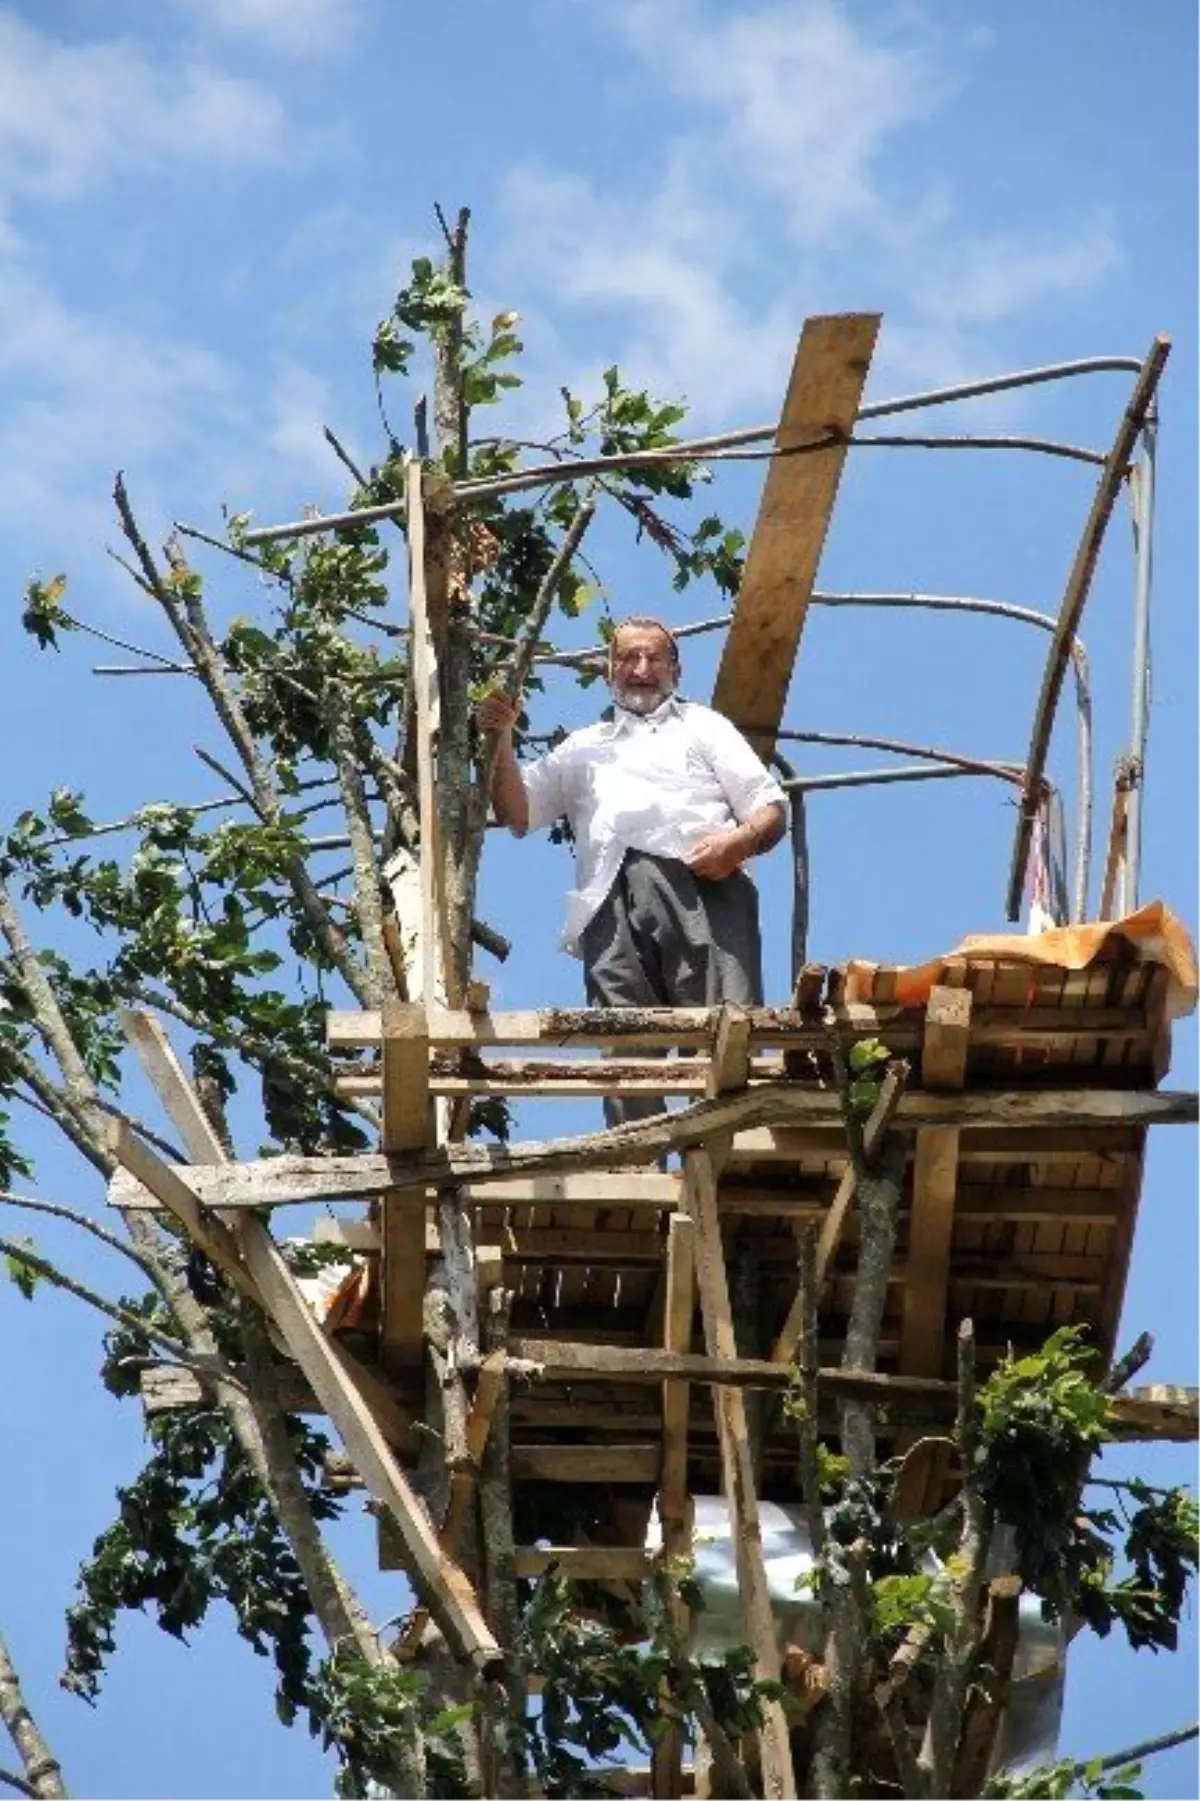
<point>823,397</point>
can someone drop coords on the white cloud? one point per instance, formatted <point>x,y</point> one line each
<point>74,113</point>
<point>804,103</point>
<point>794,115</point>
<point>286,27</point>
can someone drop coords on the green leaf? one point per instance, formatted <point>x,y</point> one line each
<point>21,1274</point>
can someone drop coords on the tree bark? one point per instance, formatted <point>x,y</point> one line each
<point>43,1772</point>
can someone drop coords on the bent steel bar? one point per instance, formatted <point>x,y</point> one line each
<point>1078,583</point>
<point>549,474</point>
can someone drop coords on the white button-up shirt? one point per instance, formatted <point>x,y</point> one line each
<point>661,783</point>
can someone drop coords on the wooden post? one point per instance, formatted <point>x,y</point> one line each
<point>407,1126</point>
<point>673,1504</point>
<point>700,1193</point>
<point>931,1225</point>
<point>437,976</point>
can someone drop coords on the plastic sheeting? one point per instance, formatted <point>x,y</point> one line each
<point>1153,934</point>
<point>1030,1724</point>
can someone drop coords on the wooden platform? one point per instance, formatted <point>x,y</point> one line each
<point>1022,1223</point>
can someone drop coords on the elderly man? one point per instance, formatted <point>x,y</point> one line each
<point>666,802</point>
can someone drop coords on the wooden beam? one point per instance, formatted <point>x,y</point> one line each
<point>827,380</point>
<point>597,1463</point>
<point>730,1066</point>
<point>287,1181</point>
<point>144,1173</point>
<point>407,1126</point>
<point>156,1054</point>
<point>737,1470</point>
<point>407,1122</point>
<point>931,1221</point>
<point>585,1563</point>
<point>674,1506</point>
<point>676,1396</point>
<point>1112,477</point>
<point>441,1583</point>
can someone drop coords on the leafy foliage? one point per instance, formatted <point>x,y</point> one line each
<point>1055,1781</point>
<point>605,1695</point>
<point>193,1528</point>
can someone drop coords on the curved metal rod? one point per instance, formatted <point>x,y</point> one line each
<point>1078,584</point>
<point>1001,609</point>
<point>863,778</point>
<point>798,834</point>
<point>1009,772</point>
<point>1083,826</point>
<point>1051,447</point>
<point>548,474</point>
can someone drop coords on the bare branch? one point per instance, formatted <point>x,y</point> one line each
<point>43,1772</point>
<point>57,1210</point>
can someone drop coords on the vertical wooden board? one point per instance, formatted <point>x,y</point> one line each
<point>822,402</point>
<point>407,1112</point>
<point>402,1281</point>
<point>700,1196</point>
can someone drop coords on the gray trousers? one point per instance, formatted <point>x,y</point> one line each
<point>663,937</point>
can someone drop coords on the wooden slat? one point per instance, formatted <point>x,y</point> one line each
<point>408,1125</point>
<point>442,1584</point>
<point>677,1336</point>
<point>823,396</point>
<point>147,1181</point>
<point>437,976</point>
<point>737,1469</point>
<point>931,1220</point>
<point>730,1066</point>
<point>693,1028</point>
<point>1041,1115</point>
<point>584,1563</point>
<point>595,1463</point>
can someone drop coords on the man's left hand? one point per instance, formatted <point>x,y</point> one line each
<point>719,855</point>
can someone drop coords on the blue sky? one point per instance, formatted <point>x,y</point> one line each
<point>205,206</point>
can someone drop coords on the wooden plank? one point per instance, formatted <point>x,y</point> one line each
<point>730,1066</point>
<point>674,1507</point>
<point>408,1125</point>
<point>289,1180</point>
<point>437,978</point>
<point>692,1028</point>
<point>1084,1206</point>
<point>157,1057</point>
<point>931,1220</point>
<point>676,1396</point>
<point>407,1115</point>
<point>595,1463</point>
<point>149,1181</point>
<point>737,1470</point>
<point>823,396</point>
<point>585,1563</point>
<point>1079,581</point>
<point>441,1583</point>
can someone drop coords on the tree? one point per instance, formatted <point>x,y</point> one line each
<point>320,706</point>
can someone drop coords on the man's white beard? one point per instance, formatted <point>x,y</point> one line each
<point>642,700</point>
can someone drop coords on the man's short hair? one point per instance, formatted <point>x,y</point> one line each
<point>644,622</point>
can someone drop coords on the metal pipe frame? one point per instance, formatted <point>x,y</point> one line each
<point>551,474</point>
<point>1141,499</point>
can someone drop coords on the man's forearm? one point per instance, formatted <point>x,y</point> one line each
<point>509,799</point>
<point>762,829</point>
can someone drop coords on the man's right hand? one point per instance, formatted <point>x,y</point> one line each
<point>497,713</point>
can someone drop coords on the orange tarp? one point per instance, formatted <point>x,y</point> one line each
<point>1153,933</point>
